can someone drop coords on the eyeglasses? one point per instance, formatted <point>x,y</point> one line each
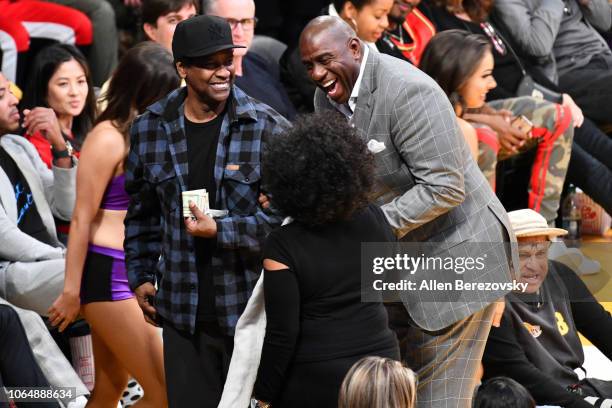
<point>246,23</point>
<point>499,45</point>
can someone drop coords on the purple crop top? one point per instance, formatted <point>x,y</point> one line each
<point>115,197</point>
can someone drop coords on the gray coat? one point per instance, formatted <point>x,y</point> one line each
<point>429,187</point>
<point>53,192</point>
<point>541,29</point>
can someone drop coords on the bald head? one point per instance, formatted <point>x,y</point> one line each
<point>331,27</point>
<point>331,53</point>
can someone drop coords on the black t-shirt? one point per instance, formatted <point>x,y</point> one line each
<point>28,218</point>
<point>202,139</point>
<point>537,342</point>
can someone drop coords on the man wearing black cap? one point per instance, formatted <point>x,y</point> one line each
<point>207,135</point>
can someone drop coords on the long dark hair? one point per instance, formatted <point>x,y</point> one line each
<point>45,65</point>
<point>451,58</point>
<point>145,74</point>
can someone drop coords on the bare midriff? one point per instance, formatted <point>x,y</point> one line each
<point>107,229</point>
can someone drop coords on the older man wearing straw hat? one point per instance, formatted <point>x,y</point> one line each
<point>537,343</point>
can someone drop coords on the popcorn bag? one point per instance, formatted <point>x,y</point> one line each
<point>595,220</point>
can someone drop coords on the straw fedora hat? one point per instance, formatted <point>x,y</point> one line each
<point>528,223</point>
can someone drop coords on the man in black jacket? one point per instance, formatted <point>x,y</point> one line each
<point>537,343</point>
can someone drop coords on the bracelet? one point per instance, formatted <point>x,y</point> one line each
<point>62,154</point>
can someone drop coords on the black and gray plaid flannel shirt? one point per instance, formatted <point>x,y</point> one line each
<point>157,245</point>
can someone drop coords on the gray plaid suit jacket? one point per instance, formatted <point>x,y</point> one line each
<point>429,187</point>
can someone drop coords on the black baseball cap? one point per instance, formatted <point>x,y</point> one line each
<point>200,36</point>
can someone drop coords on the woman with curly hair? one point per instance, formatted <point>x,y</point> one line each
<point>320,174</point>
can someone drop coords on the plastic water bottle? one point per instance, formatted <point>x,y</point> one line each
<point>572,218</point>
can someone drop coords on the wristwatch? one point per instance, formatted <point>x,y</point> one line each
<point>61,154</point>
<point>255,403</point>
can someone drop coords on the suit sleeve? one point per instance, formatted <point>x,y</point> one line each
<point>17,246</point>
<point>58,184</point>
<point>142,222</point>
<point>425,132</point>
<point>249,231</point>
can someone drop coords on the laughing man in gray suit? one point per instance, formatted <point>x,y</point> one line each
<point>430,191</point>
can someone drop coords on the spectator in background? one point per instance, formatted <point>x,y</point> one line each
<point>96,279</point>
<point>253,75</point>
<point>160,18</point>
<point>503,392</point>
<point>562,37</point>
<point>32,266</point>
<point>104,48</point>
<point>312,284</point>
<point>376,382</point>
<point>410,29</point>
<point>367,17</point>
<point>24,20</point>
<point>61,80</point>
<point>537,343</point>
<point>590,166</point>
<point>462,64</point>
<point>32,257</point>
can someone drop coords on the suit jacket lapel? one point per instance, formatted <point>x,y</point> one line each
<point>7,197</point>
<point>365,99</point>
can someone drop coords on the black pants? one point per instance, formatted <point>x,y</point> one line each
<point>196,365</point>
<point>317,384</point>
<point>591,88</point>
<point>590,166</point>
<point>17,365</point>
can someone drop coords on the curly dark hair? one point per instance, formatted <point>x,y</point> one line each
<point>319,171</point>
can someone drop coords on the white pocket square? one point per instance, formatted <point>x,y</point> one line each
<point>375,146</point>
